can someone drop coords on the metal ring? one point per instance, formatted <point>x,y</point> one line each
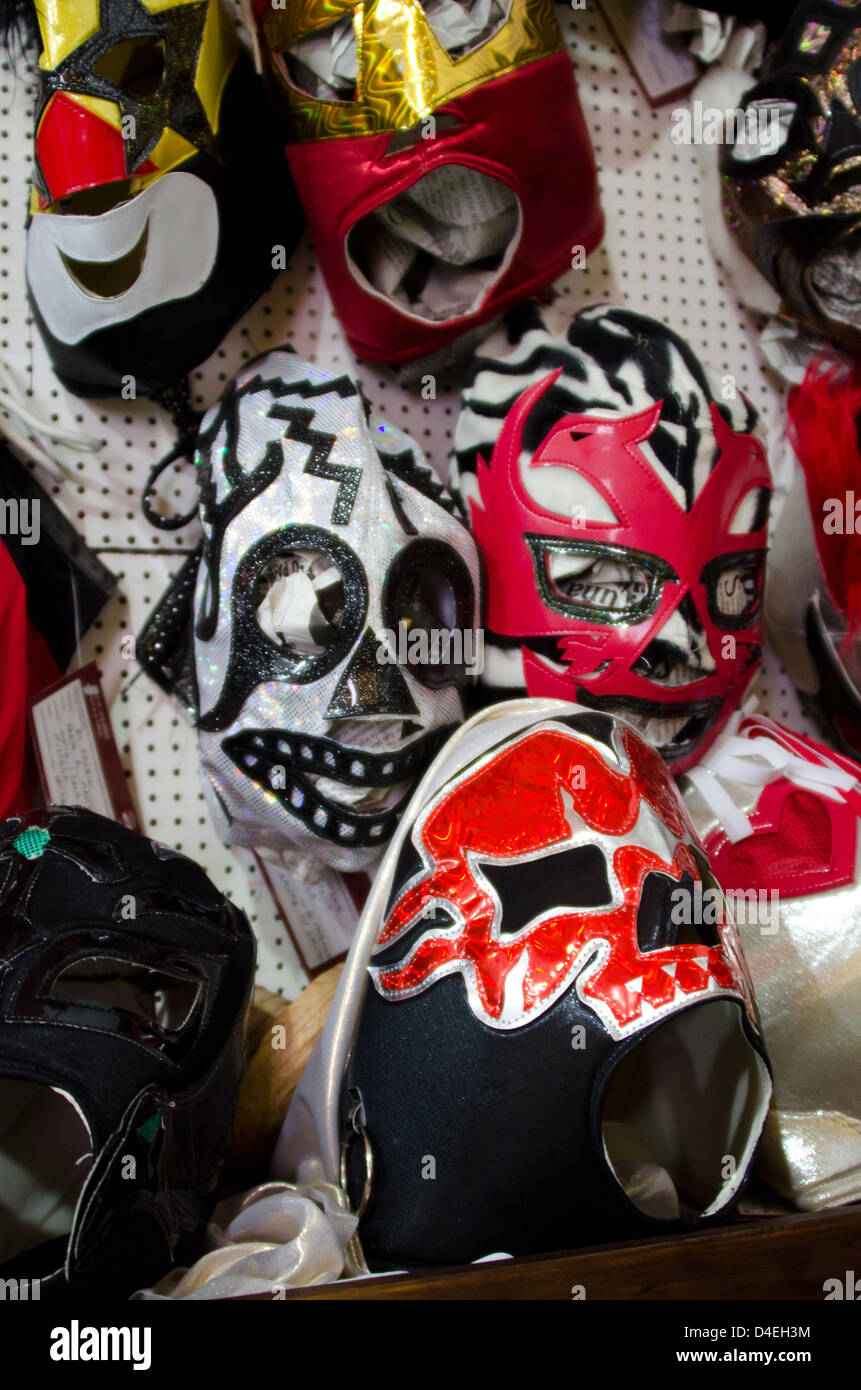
<point>352,1126</point>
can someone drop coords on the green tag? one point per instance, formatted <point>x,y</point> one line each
<point>31,843</point>
<point>150,1127</point>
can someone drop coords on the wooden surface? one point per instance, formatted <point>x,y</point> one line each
<point>277,1062</point>
<point>778,1258</point>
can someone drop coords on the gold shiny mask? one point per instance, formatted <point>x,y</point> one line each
<point>403,71</point>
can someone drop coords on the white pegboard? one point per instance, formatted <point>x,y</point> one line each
<point>654,259</point>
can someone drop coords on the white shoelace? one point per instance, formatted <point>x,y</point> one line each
<point>34,435</point>
<point>755,762</point>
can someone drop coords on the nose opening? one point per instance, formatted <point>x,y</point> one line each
<point>683,1112</point>
<point>680,653</point>
<point>371,684</point>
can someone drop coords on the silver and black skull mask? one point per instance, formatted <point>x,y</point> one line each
<point>335,615</point>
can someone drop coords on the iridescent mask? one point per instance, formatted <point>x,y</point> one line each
<point>335,614</point>
<point>153,214</point>
<point>792,178</point>
<point>416,135</point>
<point>779,817</point>
<point>620,514</point>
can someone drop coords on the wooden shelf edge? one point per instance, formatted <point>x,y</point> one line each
<point>775,1258</point>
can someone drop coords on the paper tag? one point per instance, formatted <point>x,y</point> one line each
<point>77,755</point>
<point>662,66</point>
<point>321,917</point>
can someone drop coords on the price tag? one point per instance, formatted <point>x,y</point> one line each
<point>76,752</point>
<point>320,918</point>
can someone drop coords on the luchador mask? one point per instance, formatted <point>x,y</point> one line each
<point>779,816</point>
<point>124,979</point>
<point>149,230</point>
<point>620,513</point>
<point>791,178</point>
<point>335,615</point>
<point>521,983</point>
<point>430,176</point>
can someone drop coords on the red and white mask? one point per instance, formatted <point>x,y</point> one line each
<point>620,511</point>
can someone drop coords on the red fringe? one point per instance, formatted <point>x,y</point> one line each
<point>823,429</point>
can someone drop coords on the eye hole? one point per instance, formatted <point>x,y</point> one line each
<point>734,588</point>
<point>464,27</point>
<point>324,65</point>
<point>163,1000</point>
<point>426,600</point>
<point>671,913</point>
<point>598,582</point>
<point>428,606</point>
<point>136,65</point>
<point>299,602</point>
<point>737,590</point>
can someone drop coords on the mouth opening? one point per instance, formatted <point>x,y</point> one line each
<point>676,730</point>
<point>45,1159</point>
<point>352,795</point>
<point>109,279</point>
<point>683,1112</point>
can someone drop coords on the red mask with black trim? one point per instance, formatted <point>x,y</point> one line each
<point>429,173</point>
<point>634,602</point>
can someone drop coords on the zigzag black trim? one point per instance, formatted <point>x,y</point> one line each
<point>346,475</point>
<point>405,467</point>
<point>342,386</point>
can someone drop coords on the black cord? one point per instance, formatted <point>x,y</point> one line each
<point>175,398</point>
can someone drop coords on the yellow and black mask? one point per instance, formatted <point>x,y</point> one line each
<point>153,139</point>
